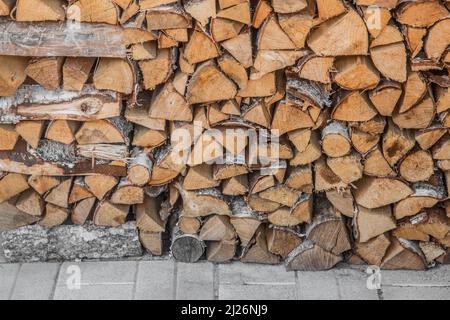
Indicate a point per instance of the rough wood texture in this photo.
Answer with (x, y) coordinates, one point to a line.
(303, 131)
(41, 39)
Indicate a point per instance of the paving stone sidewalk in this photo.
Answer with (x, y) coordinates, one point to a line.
(166, 279)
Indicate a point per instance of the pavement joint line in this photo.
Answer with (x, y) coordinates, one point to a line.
(106, 284)
(135, 279)
(175, 280)
(216, 281)
(338, 287)
(250, 283)
(297, 285)
(55, 284)
(418, 285)
(16, 276)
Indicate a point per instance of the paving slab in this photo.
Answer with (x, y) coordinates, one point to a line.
(439, 276)
(317, 285)
(336, 284)
(2, 254)
(239, 281)
(416, 293)
(97, 280)
(155, 280)
(8, 273)
(195, 281)
(352, 284)
(35, 281)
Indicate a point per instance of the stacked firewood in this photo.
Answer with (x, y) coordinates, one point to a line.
(303, 131)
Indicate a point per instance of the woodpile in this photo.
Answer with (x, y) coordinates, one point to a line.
(307, 132)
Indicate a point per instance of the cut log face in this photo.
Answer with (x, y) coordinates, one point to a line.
(110, 215)
(354, 107)
(147, 216)
(34, 10)
(82, 210)
(438, 39)
(54, 216)
(31, 203)
(9, 137)
(12, 74)
(417, 166)
(59, 196)
(208, 84)
(162, 64)
(340, 36)
(401, 256)
(101, 11)
(372, 223)
(108, 70)
(310, 257)
(200, 48)
(374, 193)
(356, 73)
(76, 72)
(11, 185)
(272, 37)
(46, 71)
(394, 67)
(373, 250)
(100, 185)
(13, 218)
(258, 252)
(282, 241)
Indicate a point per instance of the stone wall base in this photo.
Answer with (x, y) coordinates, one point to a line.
(71, 242)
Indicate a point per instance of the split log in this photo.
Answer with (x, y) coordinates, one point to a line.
(203, 203)
(327, 229)
(43, 184)
(127, 193)
(110, 69)
(11, 185)
(221, 251)
(403, 254)
(76, 72)
(258, 252)
(30, 131)
(375, 193)
(152, 242)
(162, 64)
(371, 223)
(33, 10)
(99, 186)
(147, 216)
(310, 257)
(31, 203)
(13, 218)
(54, 216)
(59, 195)
(282, 241)
(139, 168)
(217, 228)
(100, 11)
(82, 210)
(12, 73)
(373, 250)
(110, 215)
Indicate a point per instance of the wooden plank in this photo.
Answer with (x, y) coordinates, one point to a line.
(63, 39)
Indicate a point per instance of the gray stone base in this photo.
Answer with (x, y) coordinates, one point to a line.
(71, 242)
